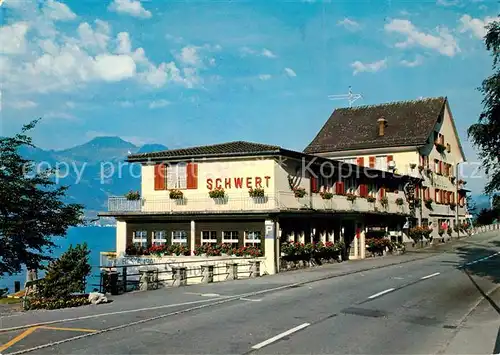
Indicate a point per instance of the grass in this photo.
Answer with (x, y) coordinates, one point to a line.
(9, 300)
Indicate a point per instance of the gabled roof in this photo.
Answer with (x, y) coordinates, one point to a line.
(409, 123)
(237, 148)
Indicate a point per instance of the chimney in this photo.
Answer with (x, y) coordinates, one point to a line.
(382, 123)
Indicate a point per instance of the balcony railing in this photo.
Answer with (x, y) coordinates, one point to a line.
(284, 200)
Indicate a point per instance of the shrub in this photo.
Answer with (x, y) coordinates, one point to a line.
(325, 195)
(176, 194)
(217, 193)
(133, 195)
(257, 192)
(351, 197)
(419, 232)
(67, 274)
(299, 192)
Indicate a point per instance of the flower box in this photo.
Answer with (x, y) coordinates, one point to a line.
(420, 168)
(399, 201)
(371, 199)
(453, 205)
(351, 197)
(257, 192)
(428, 203)
(413, 166)
(299, 192)
(326, 195)
(217, 193)
(133, 195)
(384, 201)
(175, 194)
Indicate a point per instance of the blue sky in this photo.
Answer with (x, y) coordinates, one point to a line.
(185, 73)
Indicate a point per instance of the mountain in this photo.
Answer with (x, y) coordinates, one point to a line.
(94, 170)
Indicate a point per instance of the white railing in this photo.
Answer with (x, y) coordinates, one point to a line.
(283, 200)
(487, 228)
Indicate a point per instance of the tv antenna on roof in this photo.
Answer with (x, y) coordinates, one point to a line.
(350, 97)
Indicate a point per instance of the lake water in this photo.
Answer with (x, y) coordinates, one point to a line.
(97, 238)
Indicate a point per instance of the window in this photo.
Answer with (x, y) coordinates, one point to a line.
(436, 166)
(208, 237)
(230, 237)
(140, 238)
(381, 162)
(350, 161)
(252, 238)
(179, 237)
(159, 238)
(177, 176)
(350, 185)
(372, 189)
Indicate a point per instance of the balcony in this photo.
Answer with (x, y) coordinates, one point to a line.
(440, 209)
(284, 200)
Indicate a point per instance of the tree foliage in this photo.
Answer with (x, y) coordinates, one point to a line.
(66, 274)
(485, 134)
(31, 208)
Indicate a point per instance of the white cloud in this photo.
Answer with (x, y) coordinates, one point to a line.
(58, 11)
(448, 2)
(349, 24)
(415, 63)
(443, 43)
(290, 72)
(360, 67)
(264, 77)
(124, 44)
(264, 52)
(95, 40)
(130, 7)
(189, 56)
(60, 115)
(475, 25)
(126, 104)
(158, 104)
(26, 104)
(13, 38)
(267, 53)
(114, 67)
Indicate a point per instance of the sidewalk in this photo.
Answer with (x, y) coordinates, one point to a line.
(480, 331)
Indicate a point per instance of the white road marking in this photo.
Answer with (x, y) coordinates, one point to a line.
(429, 276)
(279, 336)
(482, 259)
(381, 293)
(250, 299)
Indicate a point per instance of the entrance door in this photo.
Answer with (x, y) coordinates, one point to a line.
(349, 235)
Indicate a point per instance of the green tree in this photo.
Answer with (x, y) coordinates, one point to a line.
(66, 274)
(496, 203)
(485, 134)
(31, 208)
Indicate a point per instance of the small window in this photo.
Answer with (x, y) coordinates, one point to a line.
(208, 237)
(140, 238)
(231, 237)
(159, 238)
(179, 237)
(381, 162)
(177, 176)
(252, 238)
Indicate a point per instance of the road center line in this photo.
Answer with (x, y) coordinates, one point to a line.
(429, 276)
(279, 336)
(381, 293)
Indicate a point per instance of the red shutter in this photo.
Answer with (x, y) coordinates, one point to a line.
(441, 196)
(360, 161)
(440, 167)
(314, 184)
(365, 190)
(441, 139)
(339, 188)
(452, 197)
(160, 176)
(192, 175)
(428, 193)
(382, 192)
(436, 195)
(389, 158)
(417, 190)
(371, 162)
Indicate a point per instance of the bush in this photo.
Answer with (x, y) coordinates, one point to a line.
(54, 303)
(67, 274)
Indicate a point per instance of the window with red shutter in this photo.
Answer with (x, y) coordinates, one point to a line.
(160, 176)
(371, 162)
(192, 176)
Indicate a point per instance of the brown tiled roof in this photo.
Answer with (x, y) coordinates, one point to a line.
(408, 123)
(238, 148)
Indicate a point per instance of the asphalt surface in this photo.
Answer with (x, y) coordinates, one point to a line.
(441, 300)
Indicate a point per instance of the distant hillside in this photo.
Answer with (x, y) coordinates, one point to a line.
(96, 169)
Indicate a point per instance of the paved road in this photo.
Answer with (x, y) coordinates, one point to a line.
(421, 304)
